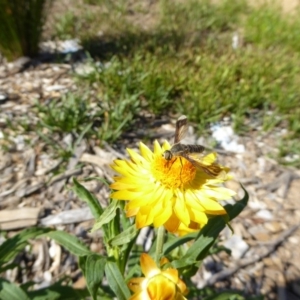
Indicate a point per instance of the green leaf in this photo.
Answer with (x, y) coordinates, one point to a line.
(82, 264)
(176, 242)
(134, 271)
(94, 267)
(82, 134)
(9, 291)
(226, 296)
(12, 246)
(89, 198)
(8, 267)
(70, 242)
(58, 292)
(108, 215)
(234, 210)
(125, 237)
(116, 281)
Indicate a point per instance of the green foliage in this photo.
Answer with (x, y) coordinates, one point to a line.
(11, 291)
(13, 246)
(270, 27)
(119, 242)
(94, 273)
(201, 84)
(71, 113)
(120, 246)
(116, 281)
(186, 64)
(197, 17)
(21, 27)
(65, 26)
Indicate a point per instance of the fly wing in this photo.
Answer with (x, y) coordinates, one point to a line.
(181, 129)
(213, 170)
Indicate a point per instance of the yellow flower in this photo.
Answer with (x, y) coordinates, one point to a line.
(173, 193)
(158, 284)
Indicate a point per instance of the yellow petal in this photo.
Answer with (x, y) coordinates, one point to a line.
(126, 195)
(161, 288)
(162, 217)
(172, 274)
(144, 217)
(148, 265)
(218, 192)
(166, 146)
(135, 284)
(157, 149)
(210, 204)
(210, 158)
(180, 209)
(136, 158)
(117, 185)
(146, 152)
(143, 295)
(131, 212)
(173, 223)
(198, 217)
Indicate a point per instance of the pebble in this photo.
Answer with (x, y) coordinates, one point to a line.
(274, 226)
(3, 97)
(237, 246)
(264, 214)
(260, 233)
(55, 87)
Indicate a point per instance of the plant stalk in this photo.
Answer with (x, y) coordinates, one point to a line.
(159, 244)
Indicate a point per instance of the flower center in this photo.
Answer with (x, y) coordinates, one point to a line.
(173, 173)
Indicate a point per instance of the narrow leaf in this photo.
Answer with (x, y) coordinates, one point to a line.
(234, 210)
(226, 296)
(108, 214)
(70, 242)
(176, 242)
(201, 245)
(125, 237)
(82, 264)
(58, 292)
(9, 291)
(8, 267)
(89, 198)
(12, 246)
(116, 281)
(94, 273)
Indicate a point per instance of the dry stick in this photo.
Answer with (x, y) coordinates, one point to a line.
(228, 272)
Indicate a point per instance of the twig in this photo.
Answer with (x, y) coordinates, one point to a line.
(248, 261)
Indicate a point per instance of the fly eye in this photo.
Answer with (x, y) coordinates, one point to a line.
(168, 155)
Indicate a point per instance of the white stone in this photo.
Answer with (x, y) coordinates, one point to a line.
(225, 136)
(264, 214)
(237, 246)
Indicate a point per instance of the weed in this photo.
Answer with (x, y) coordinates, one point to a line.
(185, 63)
(65, 26)
(70, 113)
(269, 27)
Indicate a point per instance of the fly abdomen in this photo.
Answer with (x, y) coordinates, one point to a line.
(195, 148)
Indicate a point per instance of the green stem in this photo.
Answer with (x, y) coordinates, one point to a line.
(159, 244)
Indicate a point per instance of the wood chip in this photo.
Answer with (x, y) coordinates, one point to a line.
(68, 217)
(19, 218)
